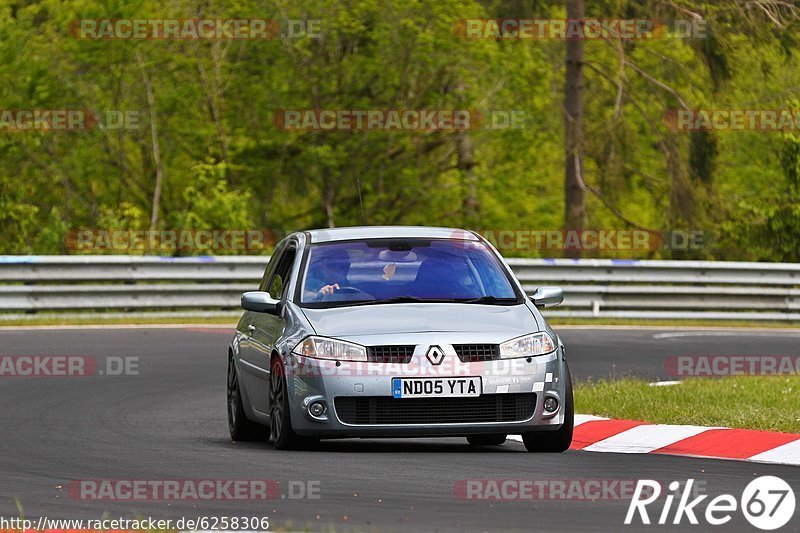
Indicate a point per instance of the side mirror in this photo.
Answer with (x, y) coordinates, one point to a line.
(260, 302)
(547, 296)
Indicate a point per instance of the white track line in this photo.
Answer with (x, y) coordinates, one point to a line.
(664, 383)
(582, 419)
(645, 438)
(745, 333)
(579, 419)
(675, 328)
(787, 454)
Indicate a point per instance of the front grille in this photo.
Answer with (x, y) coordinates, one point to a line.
(390, 354)
(474, 353)
(365, 410)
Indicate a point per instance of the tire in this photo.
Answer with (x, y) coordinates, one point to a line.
(555, 441)
(487, 440)
(239, 426)
(281, 433)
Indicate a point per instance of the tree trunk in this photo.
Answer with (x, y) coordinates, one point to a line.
(466, 163)
(215, 95)
(148, 86)
(328, 199)
(574, 188)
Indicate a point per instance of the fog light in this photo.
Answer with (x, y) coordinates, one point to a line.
(550, 405)
(316, 409)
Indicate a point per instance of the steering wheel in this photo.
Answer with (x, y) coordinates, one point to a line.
(346, 289)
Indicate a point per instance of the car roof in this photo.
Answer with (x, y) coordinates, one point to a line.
(388, 232)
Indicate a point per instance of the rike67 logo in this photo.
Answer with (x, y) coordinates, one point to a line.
(767, 502)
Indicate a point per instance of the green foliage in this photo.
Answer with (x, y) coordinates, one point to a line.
(769, 229)
(227, 166)
(50, 239)
(125, 216)
(752, 402)
(210, 204)
(18, 219)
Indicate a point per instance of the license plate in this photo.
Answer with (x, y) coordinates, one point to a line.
(435, 387)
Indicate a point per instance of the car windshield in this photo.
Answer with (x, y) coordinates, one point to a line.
(404, 270)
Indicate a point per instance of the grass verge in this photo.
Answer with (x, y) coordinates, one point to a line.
(751, 402)
(565, 321)
(94, 321)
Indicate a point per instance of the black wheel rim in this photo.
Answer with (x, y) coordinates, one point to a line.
(277, 395)
(233, 400)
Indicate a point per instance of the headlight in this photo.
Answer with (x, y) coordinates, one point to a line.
(322, 348)
(527, 346)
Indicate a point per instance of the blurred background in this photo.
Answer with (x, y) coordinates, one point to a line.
(198, 146)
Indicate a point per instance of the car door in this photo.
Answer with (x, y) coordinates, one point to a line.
(253, 372)
(265, 329)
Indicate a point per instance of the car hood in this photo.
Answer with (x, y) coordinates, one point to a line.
(387, 319)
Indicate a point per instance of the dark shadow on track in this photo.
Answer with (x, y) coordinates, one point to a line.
(428, 445)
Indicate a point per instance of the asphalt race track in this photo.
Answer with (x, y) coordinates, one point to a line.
(168, 423)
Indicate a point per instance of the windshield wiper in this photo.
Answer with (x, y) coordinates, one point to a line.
(487, 300)
(416, 300)
(394, 300)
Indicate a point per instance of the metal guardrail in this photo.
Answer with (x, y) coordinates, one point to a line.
(604, 288)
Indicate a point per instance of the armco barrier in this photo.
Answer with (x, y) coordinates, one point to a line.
(593, 287)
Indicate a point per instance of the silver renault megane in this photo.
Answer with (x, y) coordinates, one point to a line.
(396, 332)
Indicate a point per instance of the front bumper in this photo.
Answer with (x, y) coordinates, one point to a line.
(311, 380)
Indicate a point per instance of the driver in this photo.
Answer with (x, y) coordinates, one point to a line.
(327, 275)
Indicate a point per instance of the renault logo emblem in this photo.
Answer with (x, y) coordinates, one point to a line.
(435, 355)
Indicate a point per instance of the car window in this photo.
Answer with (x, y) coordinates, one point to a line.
(280, 278)
(273, 262)
(379, 269)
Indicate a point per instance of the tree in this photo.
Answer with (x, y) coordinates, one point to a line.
(574, 189)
